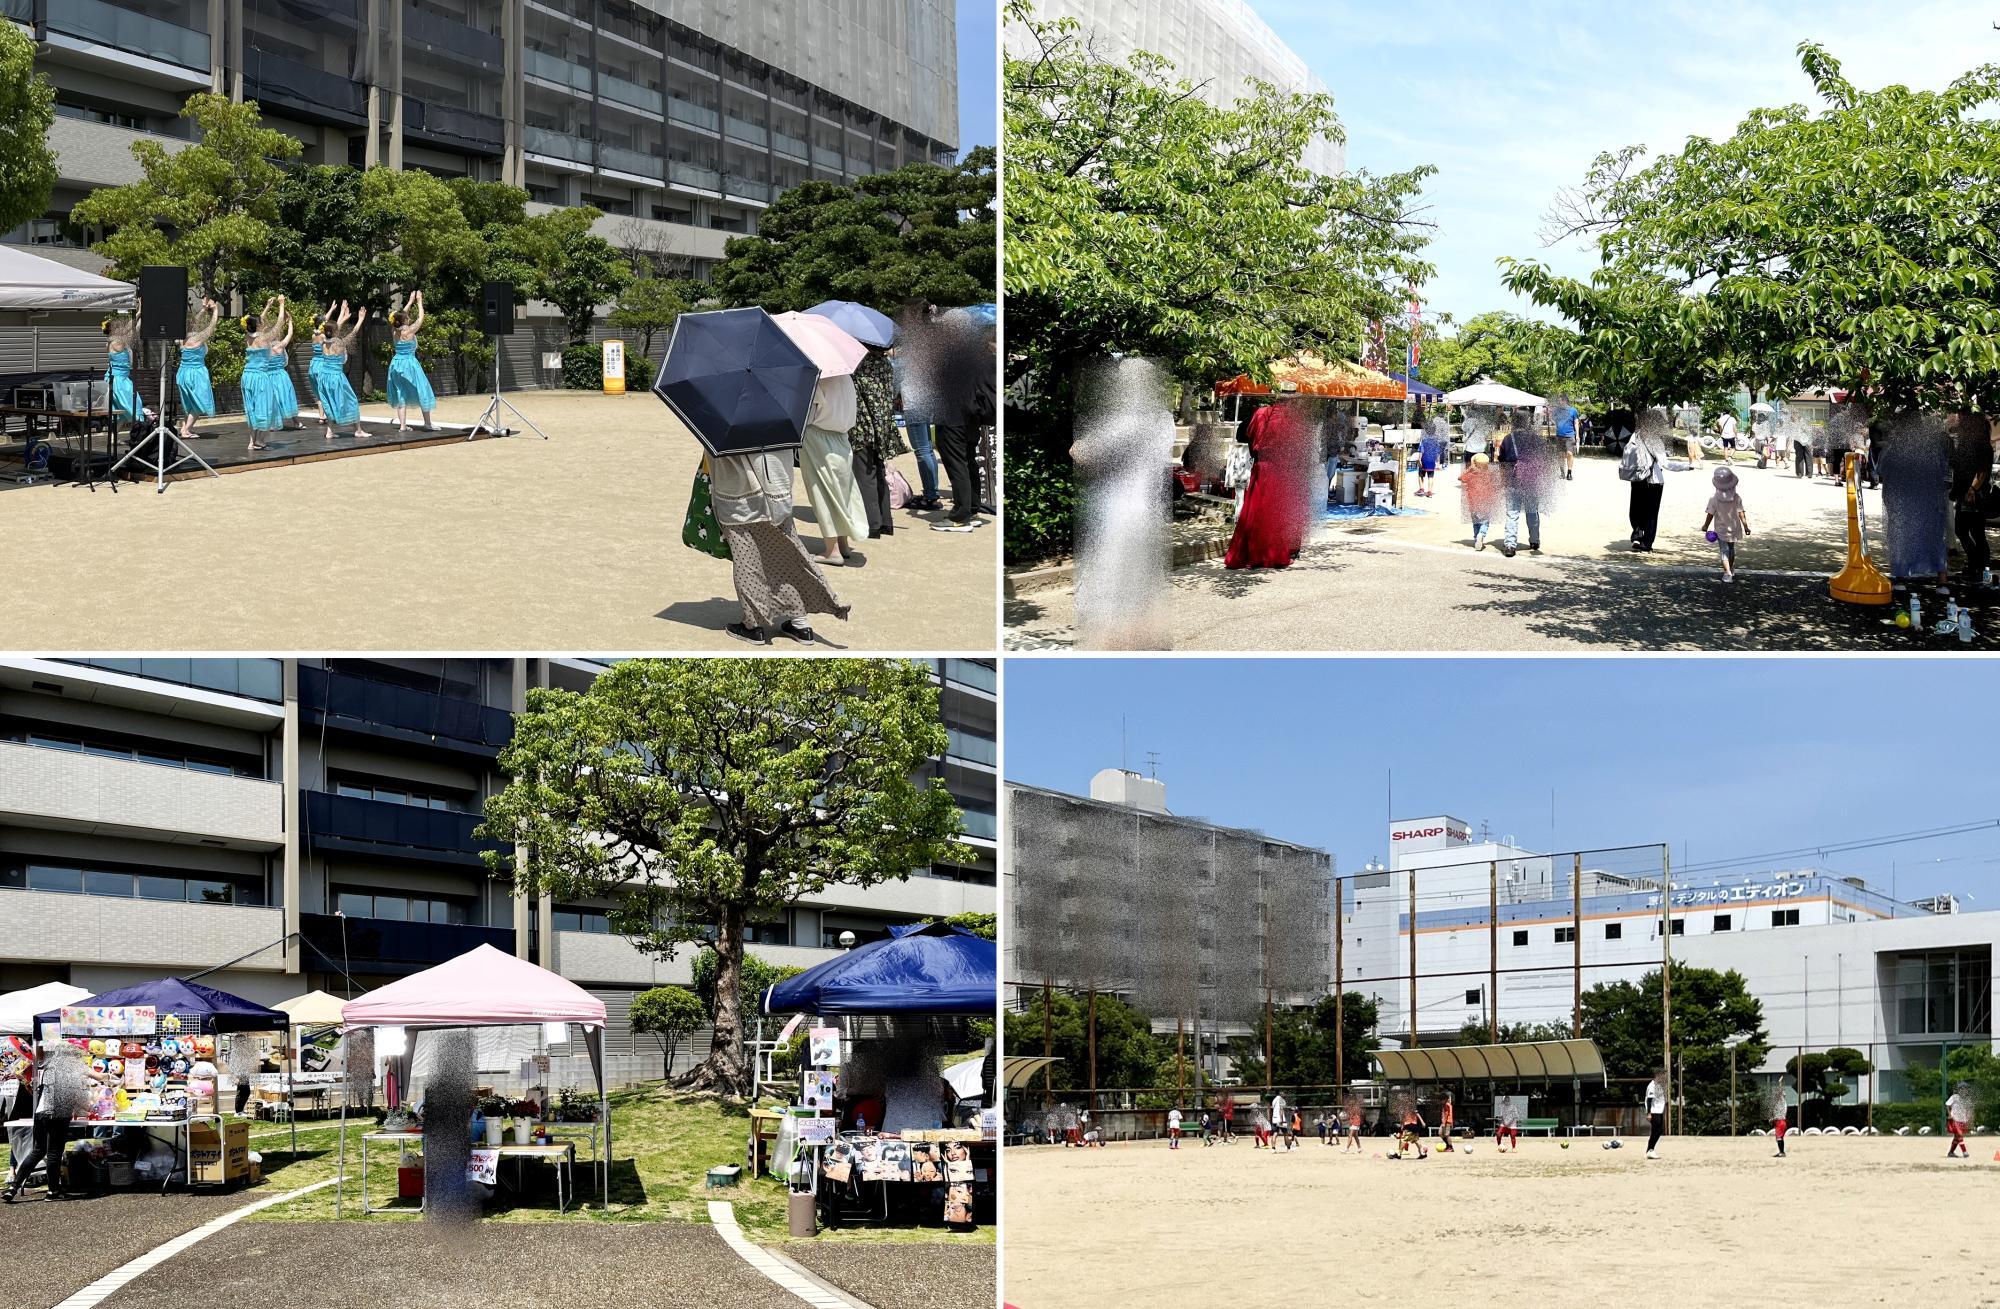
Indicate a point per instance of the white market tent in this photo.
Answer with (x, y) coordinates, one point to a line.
(1488, 392)
(18, 1008)
(28, 281)
(481, 988)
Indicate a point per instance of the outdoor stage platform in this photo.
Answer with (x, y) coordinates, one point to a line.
(224, 443)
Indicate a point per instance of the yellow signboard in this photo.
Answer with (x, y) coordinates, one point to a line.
(614, 368)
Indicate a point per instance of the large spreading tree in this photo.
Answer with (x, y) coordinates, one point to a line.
(27, 111)
(210, 207)
(1854, 245)
(1712, 1011)
(701, 795)
(1142, 218)
(924, 232)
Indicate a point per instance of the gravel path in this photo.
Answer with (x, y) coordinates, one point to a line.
(558, 1266)
(903, 1276)
(56, 1249)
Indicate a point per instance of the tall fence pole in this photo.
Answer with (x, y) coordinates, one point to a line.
(1048, 1043)
(1413, 958)
(1180, 1057)
(1493, 951)
(1667, 973)
(1576, 945)
(1093, 1047)
(1339, 989)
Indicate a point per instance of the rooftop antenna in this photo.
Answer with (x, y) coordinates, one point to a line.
(1153, 764)
(1121, 745)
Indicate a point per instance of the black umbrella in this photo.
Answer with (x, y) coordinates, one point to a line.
(737, 381)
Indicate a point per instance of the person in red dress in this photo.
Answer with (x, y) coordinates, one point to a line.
(1271, 528)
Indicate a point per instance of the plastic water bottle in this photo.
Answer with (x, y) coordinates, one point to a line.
(1965, 627)
(1950, 613)
(1986, 577)
(1916, 612)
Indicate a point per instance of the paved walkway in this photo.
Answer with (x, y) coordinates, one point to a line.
(55, 1249)
(513, 544)
(1413, 583)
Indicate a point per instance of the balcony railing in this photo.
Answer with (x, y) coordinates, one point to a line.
(482, 131)
(627, 92)
(977, 823)
(744, 188)
(557, 145)
(258, 679)
(791, 146)
(636, 162)
(974, 749)
(826, 158)
(387, 945)
(398, 711)
(694, 175)
(392, 831)
(447, 37)
(274, 77)
(686, 111)
(91, 792)
(742, 129)
(554, 68)
(135, 33)
(975, 675)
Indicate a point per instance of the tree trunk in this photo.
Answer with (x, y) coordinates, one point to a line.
(723, 1070)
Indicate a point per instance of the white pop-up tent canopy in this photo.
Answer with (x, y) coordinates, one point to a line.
(18, 1008)
(482, 988)
(28, 281)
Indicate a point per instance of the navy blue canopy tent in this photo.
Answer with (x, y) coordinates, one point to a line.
(215, 1011)
(1417, 390)
(932, 968)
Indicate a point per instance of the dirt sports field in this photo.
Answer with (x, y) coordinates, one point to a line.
(1713, 1222)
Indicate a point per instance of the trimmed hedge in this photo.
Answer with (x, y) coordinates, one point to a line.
(583, 368)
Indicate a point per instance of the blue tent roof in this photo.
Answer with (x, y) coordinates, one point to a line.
(218, 1011)
(1421, 389)
(929, 969)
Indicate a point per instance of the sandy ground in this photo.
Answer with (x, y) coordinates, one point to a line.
(1414, 583)
(1714, 1222)
(569, 544)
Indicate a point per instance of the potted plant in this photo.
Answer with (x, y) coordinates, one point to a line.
(525, 1113)
(494, 1109)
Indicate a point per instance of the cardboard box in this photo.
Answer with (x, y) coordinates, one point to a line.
(120, 1173)
(218, 1159)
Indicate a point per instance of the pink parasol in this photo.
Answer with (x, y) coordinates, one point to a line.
(835, 352)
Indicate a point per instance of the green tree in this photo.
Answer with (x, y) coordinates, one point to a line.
(432, 246)
(327, 242)
(702, 795)
(651, 304)
(27, 111)
(574, 268)
(986, 925)
(209, 207)
(923, 232)
(1853, 246)
(1824, 1075)
(1128, 1054)
(1141, 218)
(1302, 1044)
(1711, 1009)
(668, 1013)
(1478, 1032)
(754, 976)
(1974, 1065)
(1522, 352)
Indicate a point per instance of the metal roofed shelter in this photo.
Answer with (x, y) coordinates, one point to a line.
(1020, 1069)
(1522, 1061)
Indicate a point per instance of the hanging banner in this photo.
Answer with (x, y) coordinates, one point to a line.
(483, 1166)
(109, 1020)
(614, 368)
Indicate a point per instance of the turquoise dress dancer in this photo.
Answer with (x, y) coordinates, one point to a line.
(407, 383)
(281, 378)
(124, 393)
(262, 408)
(192, 381)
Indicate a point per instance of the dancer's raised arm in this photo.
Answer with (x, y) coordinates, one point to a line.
(284, 341)
(418, 321)
(205, 330)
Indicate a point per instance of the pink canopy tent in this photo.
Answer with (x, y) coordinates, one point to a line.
(482, 988)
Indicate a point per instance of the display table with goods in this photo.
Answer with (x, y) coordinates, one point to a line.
(483, 1166)
(149, 1083)
(879, 1131)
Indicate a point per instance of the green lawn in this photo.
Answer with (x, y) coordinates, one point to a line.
(664, 1146)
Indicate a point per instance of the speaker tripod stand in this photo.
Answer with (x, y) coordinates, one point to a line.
(489, 419)
(162, 441)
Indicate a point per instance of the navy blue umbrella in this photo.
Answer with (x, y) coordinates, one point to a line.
(737, 381)
(868, 326)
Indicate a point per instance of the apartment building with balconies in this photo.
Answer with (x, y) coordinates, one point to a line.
(301, 824)
(681, 121)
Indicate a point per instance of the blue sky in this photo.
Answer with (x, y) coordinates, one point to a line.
(1720, 757)
(1513, 100)
(978, 81)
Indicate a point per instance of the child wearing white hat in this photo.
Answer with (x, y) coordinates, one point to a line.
(1727, 521)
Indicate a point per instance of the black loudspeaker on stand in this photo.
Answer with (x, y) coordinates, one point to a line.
(496, 319)
(162, 317)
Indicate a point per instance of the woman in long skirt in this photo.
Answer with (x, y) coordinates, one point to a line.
(407, 384)
(191, 378)
(118, 351)
(827, 461)
(337, 400)
(777, 582)
(874, 438)
(317, 367)
(281, 373)
(1269, 528)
